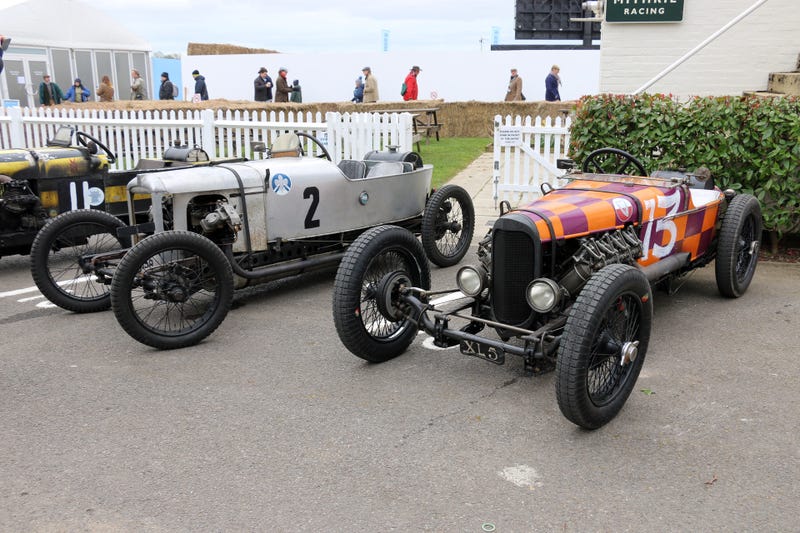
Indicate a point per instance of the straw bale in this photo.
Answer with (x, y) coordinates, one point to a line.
(458, 119)
(212, 49)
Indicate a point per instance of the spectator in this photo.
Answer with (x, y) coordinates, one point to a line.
(282, 87)
(166, 91)
(105, 91)
(297, 92)
(4, 42)
(370, 86)
(49, 92)
(200, 85)
(263, 86)
(77, 93)
(514, 93)
(411, 90)
(138, 91)
(551, 83)
(358, 92)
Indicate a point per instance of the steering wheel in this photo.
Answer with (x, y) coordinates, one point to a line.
(84, 138)
(612, 161)
(319, 144)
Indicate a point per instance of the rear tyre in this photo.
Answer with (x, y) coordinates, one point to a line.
(447, 225)
(365, 292)
(172, 290)
(56, 264)
(603, 346)
(737, 248)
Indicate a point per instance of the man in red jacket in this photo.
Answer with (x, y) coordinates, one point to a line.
(412, 89)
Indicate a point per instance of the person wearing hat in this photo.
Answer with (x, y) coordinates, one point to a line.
(263, 86)
(411, 88)
(166, 91)
(370, 86)
(514, 93)
(358, 92)
(200, 85)
(77, 93)
(49, 92)
(282, 87)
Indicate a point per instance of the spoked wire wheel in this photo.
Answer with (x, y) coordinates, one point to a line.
(60, 263)
(604, 345)
(447, 225)
(366, 294)
(172, 290)
(739, 240)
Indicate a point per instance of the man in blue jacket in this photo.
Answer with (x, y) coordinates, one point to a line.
(200, 85)
(551, 83)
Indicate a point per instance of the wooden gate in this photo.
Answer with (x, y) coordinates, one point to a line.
(525, 154)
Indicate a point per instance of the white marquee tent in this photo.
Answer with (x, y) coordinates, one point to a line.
(67, 39)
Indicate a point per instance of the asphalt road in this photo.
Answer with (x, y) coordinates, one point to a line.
(271, 425)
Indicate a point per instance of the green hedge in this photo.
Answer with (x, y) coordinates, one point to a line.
(750, 144)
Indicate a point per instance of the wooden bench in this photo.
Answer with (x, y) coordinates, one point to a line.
(425, 123)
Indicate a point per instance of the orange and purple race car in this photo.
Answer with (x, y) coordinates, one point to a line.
(565, 282)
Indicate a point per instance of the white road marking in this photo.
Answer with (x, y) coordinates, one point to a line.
(521, 476)
(18, 292)
(428, 343)
(46, 304)
(23, 300)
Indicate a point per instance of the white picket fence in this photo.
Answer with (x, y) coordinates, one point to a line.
(525, 154)
(134, 135)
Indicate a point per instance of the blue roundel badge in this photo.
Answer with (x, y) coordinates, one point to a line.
(281, 184)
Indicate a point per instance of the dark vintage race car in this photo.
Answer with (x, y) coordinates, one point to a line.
(38, 184)
(565, 282)
(231, 224)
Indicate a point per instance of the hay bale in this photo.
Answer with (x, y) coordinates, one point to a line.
(211, 49)
(458, 119)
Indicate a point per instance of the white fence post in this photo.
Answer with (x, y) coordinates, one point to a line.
(208, 141)
(16, 127)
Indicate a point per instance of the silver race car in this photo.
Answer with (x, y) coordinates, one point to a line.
(230, 224)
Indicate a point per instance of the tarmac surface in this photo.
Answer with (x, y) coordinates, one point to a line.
(272, 425)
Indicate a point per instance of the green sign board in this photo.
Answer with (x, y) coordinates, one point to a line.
(644, 10)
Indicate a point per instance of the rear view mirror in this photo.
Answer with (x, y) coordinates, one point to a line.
(565, 164)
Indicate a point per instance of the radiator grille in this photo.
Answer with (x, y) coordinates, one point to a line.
(513, 265)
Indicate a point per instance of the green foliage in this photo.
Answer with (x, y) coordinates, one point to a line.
(451, 155)
(750, 144)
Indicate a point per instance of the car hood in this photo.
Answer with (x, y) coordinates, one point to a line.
(588, 206)
(226, 176)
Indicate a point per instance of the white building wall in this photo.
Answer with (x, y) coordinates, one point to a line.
(452, 76)
(768, 40)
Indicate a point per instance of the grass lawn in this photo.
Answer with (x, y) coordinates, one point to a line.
(451, 155)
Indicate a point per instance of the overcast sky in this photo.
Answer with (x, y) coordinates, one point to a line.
(322, 26)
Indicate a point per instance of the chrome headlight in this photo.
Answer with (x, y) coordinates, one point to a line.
(543, 295)
(471, 280)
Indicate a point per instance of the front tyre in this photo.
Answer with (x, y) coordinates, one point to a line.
(172, 290)
(365, 292)
(447, 225)
(603, 346)
(59, 259)
(737, 250)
